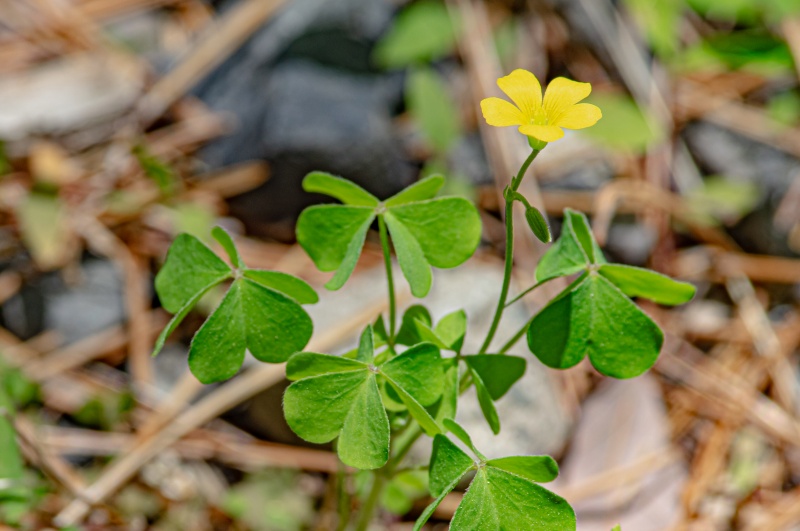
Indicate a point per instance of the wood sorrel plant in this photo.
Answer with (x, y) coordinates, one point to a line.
(404, 379)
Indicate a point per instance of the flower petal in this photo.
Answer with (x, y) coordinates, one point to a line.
(561, 94)
(524, 89)
(579, 116)
(500, 113)
(546, 133)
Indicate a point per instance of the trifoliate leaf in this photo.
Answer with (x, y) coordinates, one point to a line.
(538, 224)
(442, 232)
(345, 191)
(497, 499)
(592, 316)
(498, 372)
(502, 494)
(251, 316)
(190, 268)
(638, 282)
(419, 191)
(448, 404)
(335, 396)
(333, 236)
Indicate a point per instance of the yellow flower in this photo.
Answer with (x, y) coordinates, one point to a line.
(541, 119)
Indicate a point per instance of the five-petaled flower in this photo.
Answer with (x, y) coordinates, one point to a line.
(541, 119)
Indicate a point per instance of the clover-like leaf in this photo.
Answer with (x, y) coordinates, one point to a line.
(409, 333)
(592, 316)
(336, 396)
(574, 251)
(503, 494)
(451, 329)
(638, 282)
(255, 314)
(441, 232)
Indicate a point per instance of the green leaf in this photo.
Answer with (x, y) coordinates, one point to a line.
(448, 404)
(320, 408)
(308, 364)
(420, 33)
(566, 256)
(594, 317)
(486, 403)
(417, 378)
(456, 429)
(538, 468)
(617, 528)
(409, 332)
(410, 256)
(420, 191)
(498, 372)
(190, 268)
(178, 318)
(448, 229)
(366, 346)
(401, 491)
(452, 328)
(497, 499)
(364, 440)
(581, 231)
(538, 224)
(638, 282)
(432, 107)
(270, 325)
(345, 191)
(333, 236)
(418, 370)
(225, 240)
(448, 464)
(285, 283)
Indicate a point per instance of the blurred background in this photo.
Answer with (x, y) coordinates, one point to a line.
(125, 122)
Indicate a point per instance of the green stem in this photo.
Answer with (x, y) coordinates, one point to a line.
(368, 509)
(387, 259)
(509, 259)
(343, 502)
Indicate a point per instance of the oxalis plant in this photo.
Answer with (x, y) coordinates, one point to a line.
(404, 379)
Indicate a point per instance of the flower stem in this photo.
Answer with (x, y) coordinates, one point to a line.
(387, 259)
(509, 260)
